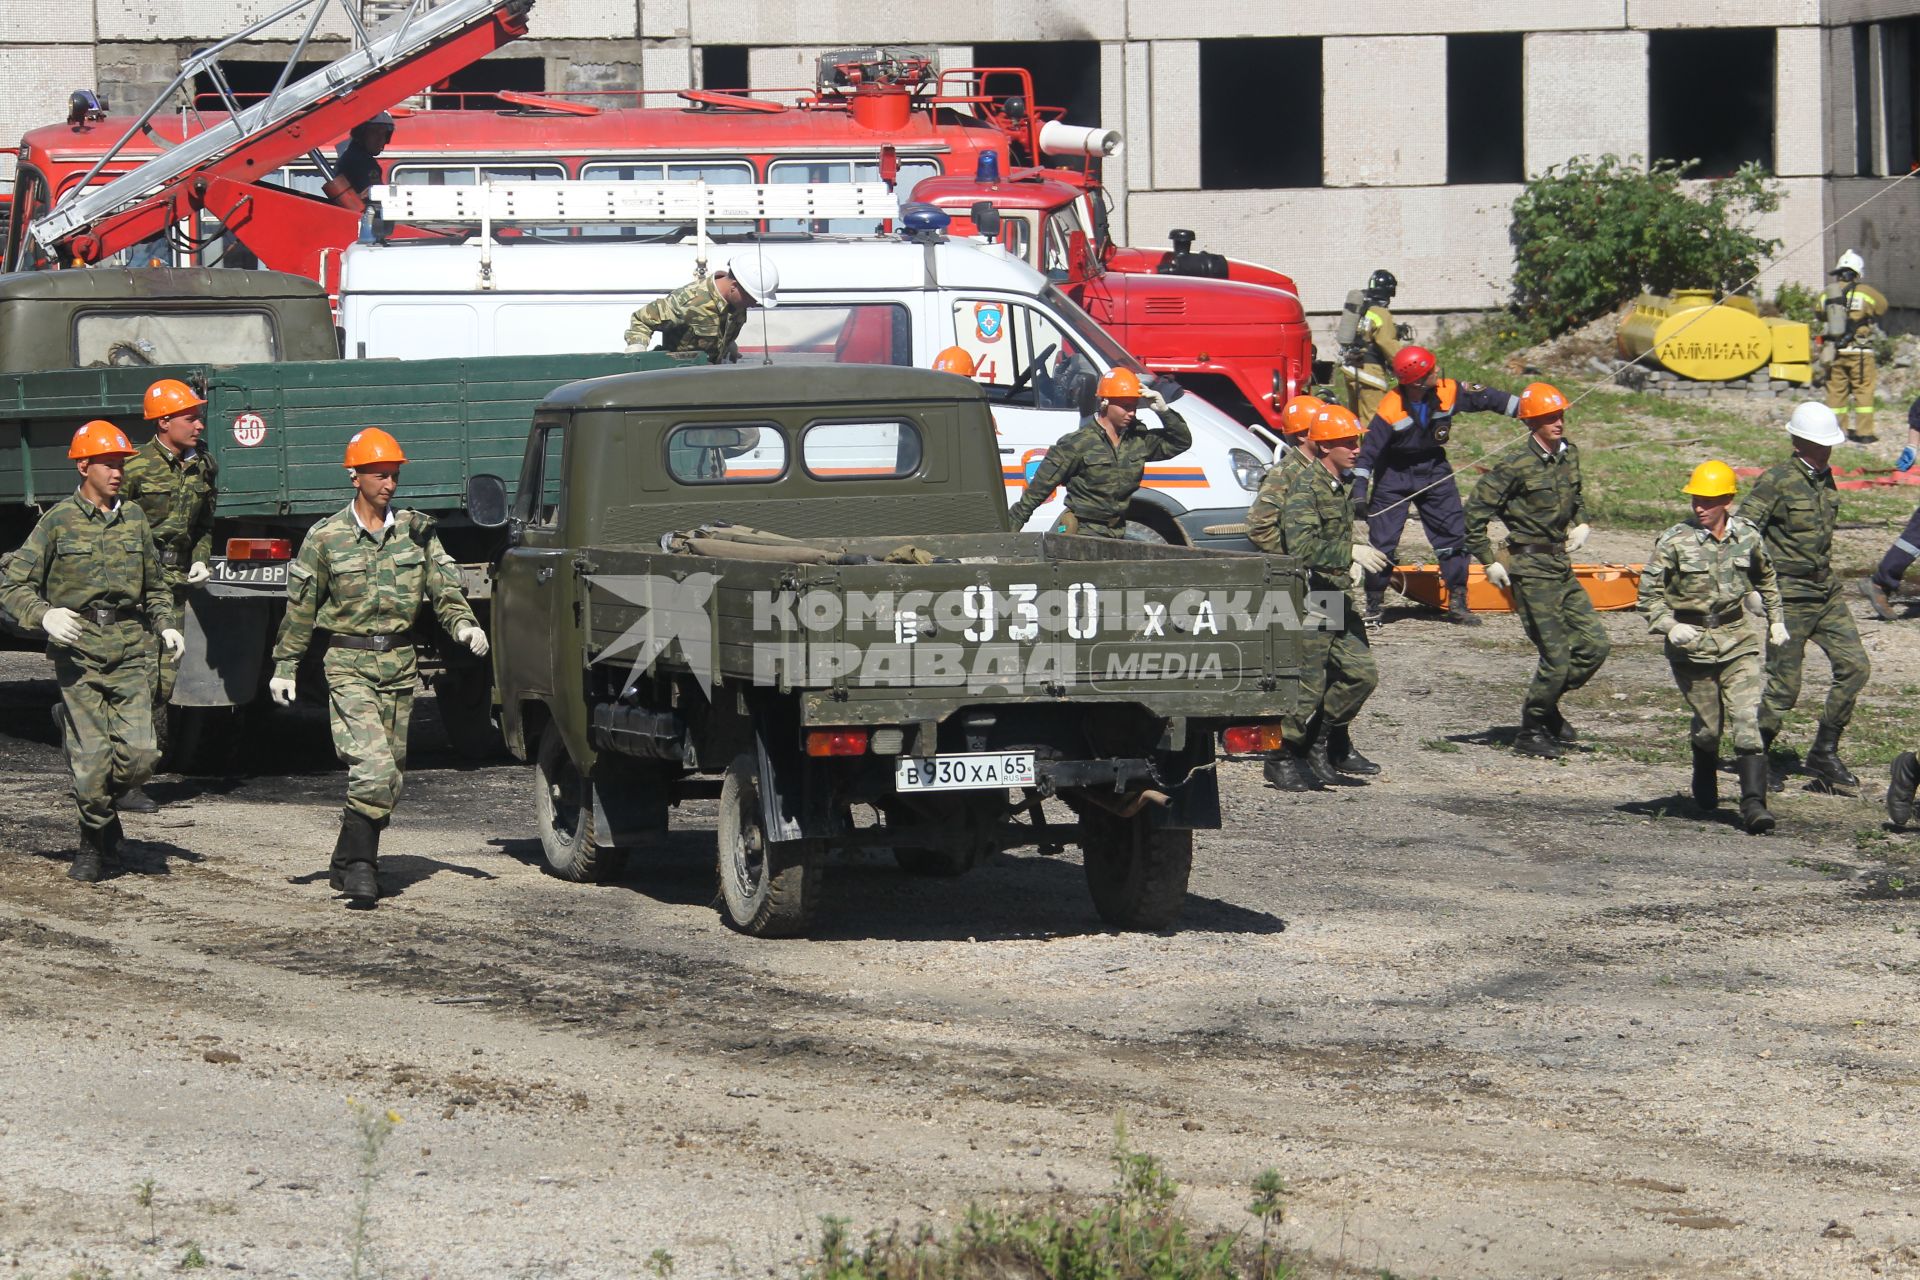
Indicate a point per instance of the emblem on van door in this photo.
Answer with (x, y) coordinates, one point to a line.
(249, 429)
(989, 319)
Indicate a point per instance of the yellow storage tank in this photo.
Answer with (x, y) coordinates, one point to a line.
(1696, 337)
(1792, 342)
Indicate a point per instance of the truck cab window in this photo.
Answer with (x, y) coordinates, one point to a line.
(726, 453)
(860, 450)
(537, 503)
(126, 339)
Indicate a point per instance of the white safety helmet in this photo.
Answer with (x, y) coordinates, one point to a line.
(758, 276)
(1850, 261)
(1815, 422)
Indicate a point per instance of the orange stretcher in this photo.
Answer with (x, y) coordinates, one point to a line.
(1610, 586)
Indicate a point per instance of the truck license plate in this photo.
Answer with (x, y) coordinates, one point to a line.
(255, 574)
(978, 770)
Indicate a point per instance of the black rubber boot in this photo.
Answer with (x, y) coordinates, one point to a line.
(137, 801)
(1289, 772)
(89, 862)
(1563, 733)
(1752, 768)
(1534, 740)
(1321, 762)
(355, 856)
(1706, 779)
(1823, 759)
(1458, 613)
(1371, 615)
(1904, 779)
(1776, 772)
(1340, 751)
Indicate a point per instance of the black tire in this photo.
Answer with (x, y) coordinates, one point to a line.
(465, 698)
(1136, 872)
(201, 742)
(766, 891)
(563, 807)
(1140, 531)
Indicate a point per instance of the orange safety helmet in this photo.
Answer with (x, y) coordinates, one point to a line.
(954, 360)
(99, 439)
(1333, 422)
(170, 396)
(1119, 383)
(1410, 364)
(371, 446)
(1298, 414)
(1541, 399)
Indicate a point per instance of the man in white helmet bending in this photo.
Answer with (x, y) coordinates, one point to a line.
(708, 314)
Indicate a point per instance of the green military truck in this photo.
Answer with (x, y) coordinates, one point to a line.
(281, 403)
(866, 632)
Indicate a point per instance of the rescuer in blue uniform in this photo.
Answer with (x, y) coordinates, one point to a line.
(1403, 462)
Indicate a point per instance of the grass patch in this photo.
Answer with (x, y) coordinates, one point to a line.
(1137, 1231)
(1442, 745)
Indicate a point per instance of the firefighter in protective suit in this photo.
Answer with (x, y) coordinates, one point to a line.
(1369, 338)
(1404, 460)
(1852, 369)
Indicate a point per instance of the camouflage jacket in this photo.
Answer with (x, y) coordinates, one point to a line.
(178, 496)
(1101, 478)
(1263, 516)
(1859, 328)
(1691, 573)
(351, 582)
(1316, 526)
(693, 317)
(81, 557)
(1796, 511)
(1537, 496)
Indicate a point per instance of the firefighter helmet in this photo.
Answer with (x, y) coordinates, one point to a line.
(1541, 399)
(1119, 383)
(168, 397)
(1333, 422)
(99, 439)
(1383, 283)
(1410, 364)
(954, 360)
(371, 446)
(1297, 417)
(1850, 261)
(1712, 480)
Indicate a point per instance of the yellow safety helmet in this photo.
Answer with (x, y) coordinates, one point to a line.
(1712, 479)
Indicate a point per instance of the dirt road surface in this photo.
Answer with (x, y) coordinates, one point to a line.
(1488, 1017)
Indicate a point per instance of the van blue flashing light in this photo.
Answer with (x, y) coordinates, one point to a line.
(987, 168)
(924, 217)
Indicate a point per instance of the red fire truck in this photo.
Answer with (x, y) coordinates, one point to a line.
(968, 137)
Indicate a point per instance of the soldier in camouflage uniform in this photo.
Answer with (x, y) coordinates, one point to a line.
(1852, 368)
(1337, 670)
(361, 576)
(1692, 591)
(1795, 506)
(1104, 461)
(88, 574)
(1536, 493)
(708, 314)
(175, 482)
(1263, 514)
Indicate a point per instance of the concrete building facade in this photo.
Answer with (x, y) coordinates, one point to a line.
(1326, 137)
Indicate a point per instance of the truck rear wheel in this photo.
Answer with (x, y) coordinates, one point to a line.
(563, 806)
(1137, 872)
(768, 891)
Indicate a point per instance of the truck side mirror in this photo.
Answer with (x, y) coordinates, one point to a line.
(487, 501)
(986, 219)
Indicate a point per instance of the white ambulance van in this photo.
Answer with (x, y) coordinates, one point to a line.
(896, 300)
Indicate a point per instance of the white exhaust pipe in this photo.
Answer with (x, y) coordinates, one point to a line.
(1057, 139)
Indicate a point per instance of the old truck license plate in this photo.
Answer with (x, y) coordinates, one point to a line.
(261, 573)
(965, 772)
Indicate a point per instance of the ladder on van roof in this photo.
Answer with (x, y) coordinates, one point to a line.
(428, 41)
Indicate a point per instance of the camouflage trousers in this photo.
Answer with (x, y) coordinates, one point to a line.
(1828, 624)
(369, 701)
(1559, 618)
(106, 716)
(1724, 697)
(1337, 673)
(166, 671)
(1850, 380)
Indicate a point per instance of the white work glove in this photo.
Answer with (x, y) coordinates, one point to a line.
(198, 573)
(475, 639)
(1577, 537)
(63, 625)
(176, 644)
(1355, 574)
(1153, 400)
(1754, 604)
(1373, 561)
(1777, 634)
(1497, 574)
(1683, 634)
(281, 690)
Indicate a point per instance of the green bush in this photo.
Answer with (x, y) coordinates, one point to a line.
(1590, 234)
(1803, 303)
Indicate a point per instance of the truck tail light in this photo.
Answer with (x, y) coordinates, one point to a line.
(836, 742)
(259, 549)
(1252, 739)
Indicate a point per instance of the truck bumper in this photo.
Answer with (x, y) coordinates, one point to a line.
(1194, 524)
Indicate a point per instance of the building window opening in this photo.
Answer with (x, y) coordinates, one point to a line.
(471, 88)
(250, 82)
(1066, 73)
(1244, 142)
(1900, 93)
(1486, 140)
(1710, 97)
(723, 66)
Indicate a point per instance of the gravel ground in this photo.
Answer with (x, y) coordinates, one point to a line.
(1488, 1017)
